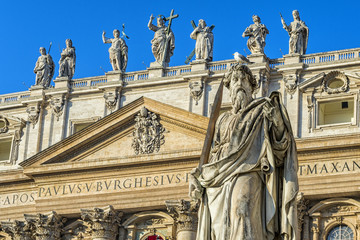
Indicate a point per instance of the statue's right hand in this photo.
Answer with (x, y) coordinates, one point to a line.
(103, 33)
(195, 189)
(151, 17)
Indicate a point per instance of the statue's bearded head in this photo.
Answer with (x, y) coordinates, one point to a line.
(241, 84)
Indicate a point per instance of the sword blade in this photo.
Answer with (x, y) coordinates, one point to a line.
(215, 112)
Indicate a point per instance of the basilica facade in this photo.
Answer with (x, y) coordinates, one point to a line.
(109, 157)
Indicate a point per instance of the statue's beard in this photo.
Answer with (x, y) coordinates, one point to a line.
(239, 99)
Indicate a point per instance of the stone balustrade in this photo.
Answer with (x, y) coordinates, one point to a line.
(332, 56)
(213, 67)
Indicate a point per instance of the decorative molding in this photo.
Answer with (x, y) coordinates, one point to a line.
(103, 222)
(184, 214)
(46, 226)
(110, 100)
(291, 83)
(57, 106)
(33, 114)
(335, 75)
(302, 206)
(196, 89)
(18, 230)
(5, 124)
(148, 134)
(310, 106)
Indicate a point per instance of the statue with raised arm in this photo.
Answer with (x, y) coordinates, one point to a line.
(163, 43)
(257, 33)
(204, 41)
(44, 69)
(298, 32)
(67, 60)
(118, 51)
(248, 184)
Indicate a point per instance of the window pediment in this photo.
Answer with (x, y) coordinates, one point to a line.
(335, 82)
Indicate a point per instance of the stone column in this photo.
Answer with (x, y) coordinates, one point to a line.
(302, 206)
(46, 226)
(305, 233)
(17, 230)
(104, 222)
(315, 229)
(185, 216)
(291, 72)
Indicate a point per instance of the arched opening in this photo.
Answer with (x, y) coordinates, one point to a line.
(341, 232)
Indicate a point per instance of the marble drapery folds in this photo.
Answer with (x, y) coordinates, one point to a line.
(250, 183)
(204, 41)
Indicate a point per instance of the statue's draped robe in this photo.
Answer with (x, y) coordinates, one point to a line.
(67, 62)
(119, 52)
(44, 70)
(159, 44)
(299, 34)
(250, 181)
(204, 43)
(257, 34)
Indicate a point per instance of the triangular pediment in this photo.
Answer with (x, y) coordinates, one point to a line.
(317, 81)
(110, 141)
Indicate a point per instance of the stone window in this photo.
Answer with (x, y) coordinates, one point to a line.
(10, 138)
(336, 111)
(342, 232)
(77, 125)
(5, 149)
(80, 126)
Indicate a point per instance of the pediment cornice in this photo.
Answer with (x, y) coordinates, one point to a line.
(109, 129)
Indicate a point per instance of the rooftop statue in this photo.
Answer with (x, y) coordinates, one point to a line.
(118, 51)
(257, 33)
(163, 43)
(44, 68)
(204, 41)
(249, 184)
(67, 60)
(298, 32)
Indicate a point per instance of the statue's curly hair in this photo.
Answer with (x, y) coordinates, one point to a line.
(245, 70)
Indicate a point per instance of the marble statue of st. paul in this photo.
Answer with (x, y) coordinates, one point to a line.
(249, 185)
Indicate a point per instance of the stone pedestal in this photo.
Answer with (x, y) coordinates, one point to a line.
(292, 58)
(185, 215)
(156, 70)
(198, 65)
(36, 91)
(257, 58)
(62, 82)
(114, 76)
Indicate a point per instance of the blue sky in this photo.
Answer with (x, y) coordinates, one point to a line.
(28, 25)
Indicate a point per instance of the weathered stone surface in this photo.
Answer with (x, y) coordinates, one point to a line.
(118, 51)
(257, 34)
(67, 61)
(299, 34)
(204, 41)
(44, 69)
(230, 184)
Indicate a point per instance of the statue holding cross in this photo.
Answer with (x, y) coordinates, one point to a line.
(204, 40)
(163, 43)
